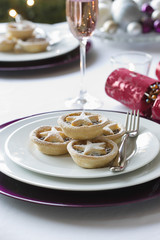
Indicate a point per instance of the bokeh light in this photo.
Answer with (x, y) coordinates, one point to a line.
(12, 13)
(30, 2)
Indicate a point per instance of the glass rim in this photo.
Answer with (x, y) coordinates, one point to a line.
(148, 58)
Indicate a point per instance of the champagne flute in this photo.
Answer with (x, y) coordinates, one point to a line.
(82, 17)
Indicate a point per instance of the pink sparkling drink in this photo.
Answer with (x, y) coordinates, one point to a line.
(82, 17)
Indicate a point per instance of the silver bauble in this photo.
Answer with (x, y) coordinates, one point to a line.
(155, 15)
(110, 27)
(134, 28)
(124, 12)
(155, 4)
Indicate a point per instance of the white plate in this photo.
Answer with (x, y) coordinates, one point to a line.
(142, 175)
(20, 150)
(121, 36)
(63, 39)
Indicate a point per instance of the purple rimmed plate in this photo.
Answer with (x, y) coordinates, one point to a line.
(28, 192)
(63, 49)
(70, 57)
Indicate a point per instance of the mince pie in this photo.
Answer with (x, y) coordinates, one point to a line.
(95, 153)
(82, 125)
(33, 45)
(113, 131)
(6, 44)
(23, 29)
(50, 140)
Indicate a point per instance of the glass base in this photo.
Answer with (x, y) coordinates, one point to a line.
(87, 102)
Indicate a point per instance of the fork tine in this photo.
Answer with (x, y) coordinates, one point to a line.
(134, 119)
(131, 118)
(127, 118)
(137, 127)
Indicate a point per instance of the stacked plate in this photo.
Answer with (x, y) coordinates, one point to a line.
(30, 175)
(124, 37)
(63, 49)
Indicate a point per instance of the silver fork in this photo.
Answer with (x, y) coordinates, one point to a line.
(132, 128)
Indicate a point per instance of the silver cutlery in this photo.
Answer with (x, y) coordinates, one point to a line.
(132, 129)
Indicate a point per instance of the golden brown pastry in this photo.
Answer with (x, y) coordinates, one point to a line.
(82, 125)
(21, 30)
(113, 131)
(95, 153)
(6, 44)
(34, 45)
(50, 140)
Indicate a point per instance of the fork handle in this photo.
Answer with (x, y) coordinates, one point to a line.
(122, 151)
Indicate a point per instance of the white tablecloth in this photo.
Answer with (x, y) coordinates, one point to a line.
(44, 91)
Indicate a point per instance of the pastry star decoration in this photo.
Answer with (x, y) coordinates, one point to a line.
(108, 129)
(82, 119)
(92, 148)
(52, 135)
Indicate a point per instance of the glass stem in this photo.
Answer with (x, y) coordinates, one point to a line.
(83, 44)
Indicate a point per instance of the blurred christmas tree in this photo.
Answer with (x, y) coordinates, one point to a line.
(43, 11)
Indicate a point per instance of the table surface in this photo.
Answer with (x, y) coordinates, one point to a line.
(27, 93)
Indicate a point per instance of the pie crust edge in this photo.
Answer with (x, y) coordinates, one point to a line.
(88, 161)
(82, 132)
(45, 147)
